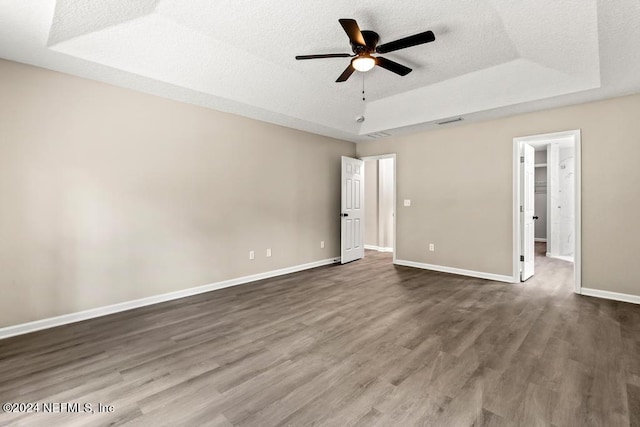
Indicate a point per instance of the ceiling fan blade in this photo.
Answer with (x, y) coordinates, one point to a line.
(346, 74)
(392, 66)
(405, 42)
(324, 55)
(350, 27)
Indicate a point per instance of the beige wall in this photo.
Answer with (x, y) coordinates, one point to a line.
(385, 203)
(371, 202)
(459, 180)
(109, 195)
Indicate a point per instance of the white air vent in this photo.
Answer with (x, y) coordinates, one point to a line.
(378, 135)
(444, 122)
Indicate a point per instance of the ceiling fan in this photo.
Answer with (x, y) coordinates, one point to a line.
(365, 43)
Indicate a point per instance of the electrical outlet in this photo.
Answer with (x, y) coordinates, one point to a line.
(407, 202)
(252, 255)
(322, 244)
(432, 247)
(268, 252)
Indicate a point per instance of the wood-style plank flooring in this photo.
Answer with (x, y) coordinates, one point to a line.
(364, 344)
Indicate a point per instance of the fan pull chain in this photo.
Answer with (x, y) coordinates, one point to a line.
(363, 97)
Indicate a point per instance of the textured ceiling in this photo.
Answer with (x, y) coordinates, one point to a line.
(491, 57)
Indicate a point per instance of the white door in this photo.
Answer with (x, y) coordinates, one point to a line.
(352, 214)
(527, 212)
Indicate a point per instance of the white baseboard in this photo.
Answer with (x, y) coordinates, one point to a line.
(560, 257)
(460, 271)
(378, 248)
(37, 325)
(540, 239)
(634, 299)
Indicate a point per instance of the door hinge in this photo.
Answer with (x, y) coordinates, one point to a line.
(521, 208)
(522, 258)
(522, 159)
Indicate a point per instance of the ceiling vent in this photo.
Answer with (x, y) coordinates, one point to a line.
(378, 135)
(446, 122)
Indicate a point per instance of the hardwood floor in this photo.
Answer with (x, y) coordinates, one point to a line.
(365, 344)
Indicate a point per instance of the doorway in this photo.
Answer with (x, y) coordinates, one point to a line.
(380, 203)
(546, 208)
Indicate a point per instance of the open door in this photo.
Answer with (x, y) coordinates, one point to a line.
(527, 212)
(352, 214)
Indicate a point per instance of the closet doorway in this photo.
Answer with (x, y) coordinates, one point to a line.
(554, 198)
(556, 212)
(380, 203)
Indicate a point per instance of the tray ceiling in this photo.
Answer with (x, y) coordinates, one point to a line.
(491, 57)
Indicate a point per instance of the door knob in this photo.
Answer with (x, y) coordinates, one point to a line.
(344, 214)
(535, 217)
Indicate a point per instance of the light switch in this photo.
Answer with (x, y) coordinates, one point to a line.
(407, 202)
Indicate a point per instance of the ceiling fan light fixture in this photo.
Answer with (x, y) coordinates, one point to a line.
(363, 63)
(364, 43)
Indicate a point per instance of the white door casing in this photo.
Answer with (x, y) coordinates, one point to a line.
(527, 203)
(352, 213)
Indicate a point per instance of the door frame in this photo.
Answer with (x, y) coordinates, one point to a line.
(577, 140)
(395, 194)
